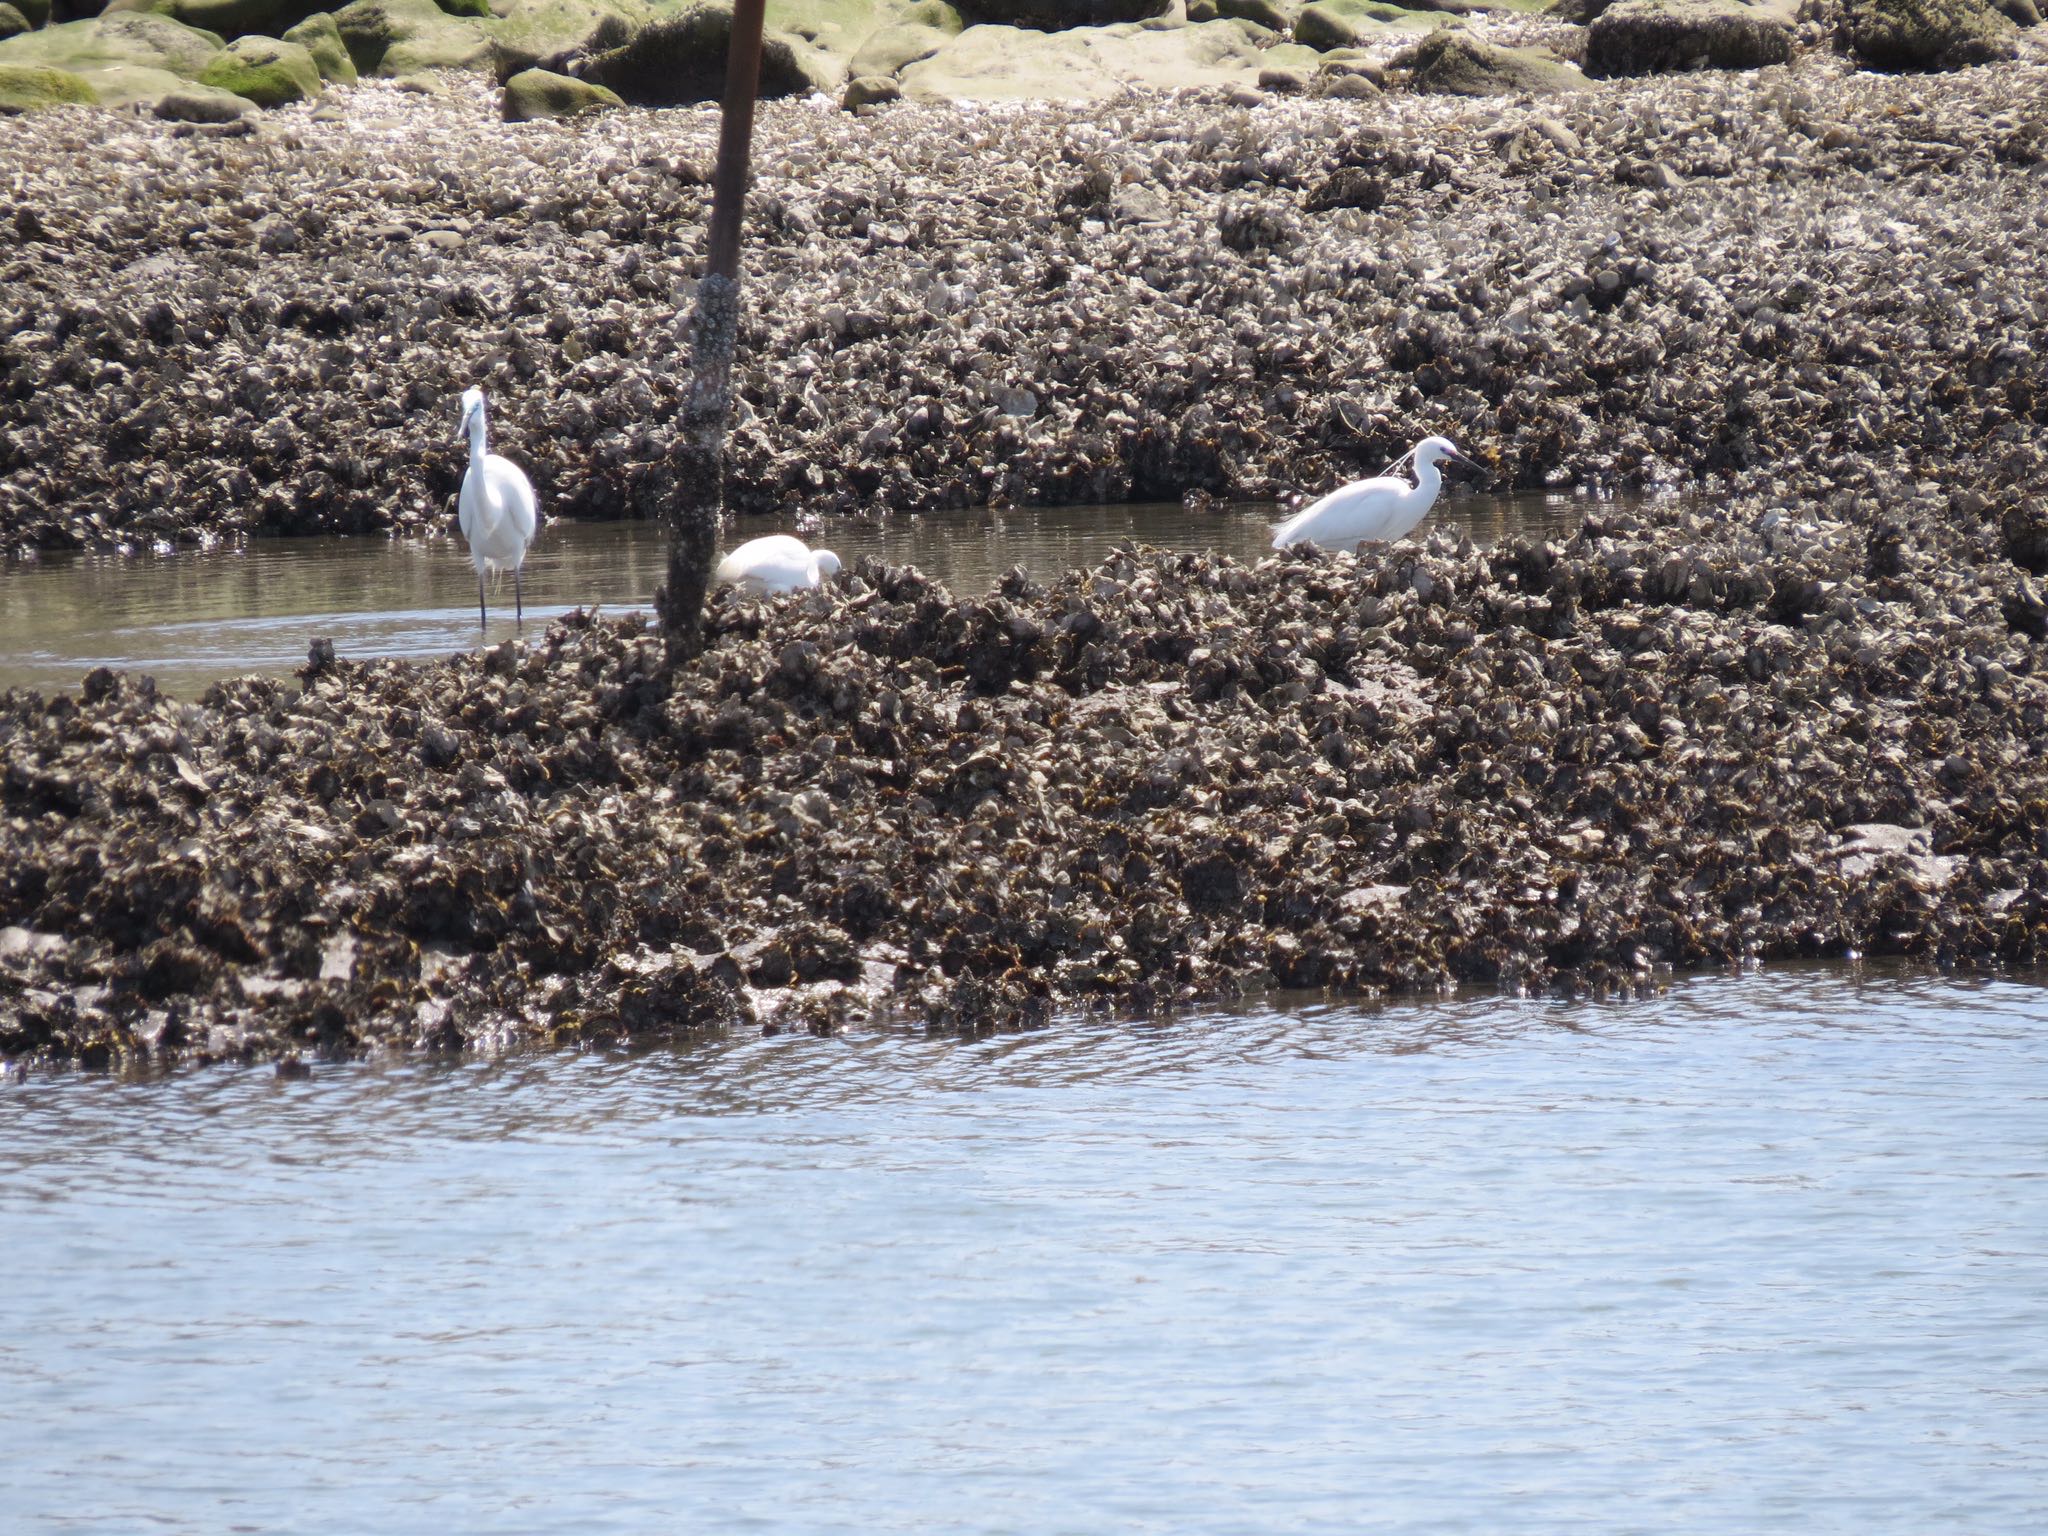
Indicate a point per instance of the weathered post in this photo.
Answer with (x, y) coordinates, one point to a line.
(697, 479)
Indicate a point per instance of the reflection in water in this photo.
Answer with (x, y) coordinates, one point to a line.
(1764, 1254)
(191, 617)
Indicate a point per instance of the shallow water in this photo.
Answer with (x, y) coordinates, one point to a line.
(191, 617)
(1767, 1254)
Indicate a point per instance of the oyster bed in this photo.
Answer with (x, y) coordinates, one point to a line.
(265, 326)
(1686, 736)
(1800, 714)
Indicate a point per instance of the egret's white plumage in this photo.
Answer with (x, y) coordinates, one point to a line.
(1383, 508)
(777, 563)
(497, 510)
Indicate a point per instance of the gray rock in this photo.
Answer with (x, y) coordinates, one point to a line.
(869, 91)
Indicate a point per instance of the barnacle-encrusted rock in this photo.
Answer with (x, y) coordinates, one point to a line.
(535, 94)
(1643, 37)
(1926, 34)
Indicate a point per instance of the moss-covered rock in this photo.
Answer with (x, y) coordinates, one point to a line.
(680, 59)
(1926, 34)
(265, 70)
(321, 38)
(1448, 63)
(889, 49)
(230, 18)
(35, 12)
(32, 87)
(404, 37)
(1331, 24)
(202, 104)
(104, 42)
(1653, 37)
(1280, 15)
(547, 34)
(12, 22)
(535, 95)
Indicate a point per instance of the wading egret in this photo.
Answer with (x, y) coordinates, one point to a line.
(497, 510)
(777, 563)
(1385, 508)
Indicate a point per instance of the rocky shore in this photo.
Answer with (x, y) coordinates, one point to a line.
(1797, 712)
(263, 326)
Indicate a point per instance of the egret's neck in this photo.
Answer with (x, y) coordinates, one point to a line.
(476, 435)
(1427, 479)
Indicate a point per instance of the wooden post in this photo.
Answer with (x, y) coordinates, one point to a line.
(696, 483)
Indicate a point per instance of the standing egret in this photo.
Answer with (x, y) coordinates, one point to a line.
(777, 563)
(497, 510)
(1384, 508)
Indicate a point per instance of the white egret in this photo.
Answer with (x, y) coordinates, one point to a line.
(1383, 508)
(777, 563)
(497, 510)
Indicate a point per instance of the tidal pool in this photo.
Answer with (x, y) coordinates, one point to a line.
(191, 617)
(1769, 1253)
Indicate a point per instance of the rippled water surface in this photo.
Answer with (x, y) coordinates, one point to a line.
(1769, 1254)
(190, 617)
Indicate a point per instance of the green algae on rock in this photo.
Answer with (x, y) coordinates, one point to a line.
(321, 38)
(535, 95)
(33, 87)
(265, 70)
(12, 22)
(1449, 63)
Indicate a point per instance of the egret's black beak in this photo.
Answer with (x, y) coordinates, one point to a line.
(1471, 464)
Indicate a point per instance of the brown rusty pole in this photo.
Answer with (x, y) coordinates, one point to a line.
(698, 485)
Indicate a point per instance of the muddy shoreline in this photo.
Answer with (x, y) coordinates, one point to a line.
(1801, 715)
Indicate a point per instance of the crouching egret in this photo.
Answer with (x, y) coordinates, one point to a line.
(1384, 508)
(777, 563)
(497, 510)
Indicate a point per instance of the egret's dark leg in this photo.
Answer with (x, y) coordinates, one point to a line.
(483, 617)
(518, 599)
